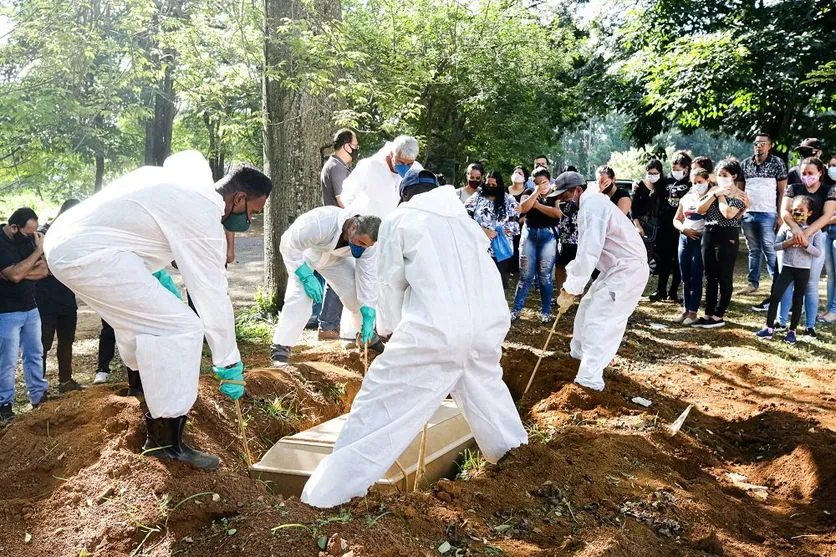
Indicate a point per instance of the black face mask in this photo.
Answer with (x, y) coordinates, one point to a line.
(491, 190)
(355, 154)
(21, 238)
(568, 207)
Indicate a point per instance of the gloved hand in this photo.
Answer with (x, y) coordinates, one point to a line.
(168, 283)
(369, 315)
(309, 282)
(565, 301)
(232, 380)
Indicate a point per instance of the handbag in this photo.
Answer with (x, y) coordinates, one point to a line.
(501, 246)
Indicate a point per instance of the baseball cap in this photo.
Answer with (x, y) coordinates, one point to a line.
(811, 143)
(568, 180)
(414, 177)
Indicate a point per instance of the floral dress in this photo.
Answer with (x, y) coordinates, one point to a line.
(484, 212)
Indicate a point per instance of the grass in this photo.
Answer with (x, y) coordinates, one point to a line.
(252, 326)
(472, 462)
(285, 407)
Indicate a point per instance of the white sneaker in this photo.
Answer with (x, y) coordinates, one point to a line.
(101, 377)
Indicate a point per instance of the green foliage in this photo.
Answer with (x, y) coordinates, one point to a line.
(252, 326)
(472, 462)
(46, 210)
(734, 67)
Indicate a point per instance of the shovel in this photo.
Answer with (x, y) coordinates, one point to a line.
(543, 352)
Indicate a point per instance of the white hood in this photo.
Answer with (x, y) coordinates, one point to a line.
(441, 201)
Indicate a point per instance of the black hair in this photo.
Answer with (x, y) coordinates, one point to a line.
(815, 161)
(703, 162)
(702, 173)
(570, 168)
(654, 164)
(730, 165)
(681, 159)
(604, 169)
(68, 204)
(540, 171)
(412, 191)
(476, 166)
(499, 202)
(367, 224)
(342, 137)
(245, 178)
(543, 157)
(808, 201)
(21, 216)
(525, 172)
(764, 134)
(442, 179)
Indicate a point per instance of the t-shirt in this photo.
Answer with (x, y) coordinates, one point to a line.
(714, 218)
(15, 296)
(331, 178)
(693, 220)
(762, 183)
(537, 219)
(822, 195)
(463, 195)
(52, 296)
(618, 195)
(672, 193)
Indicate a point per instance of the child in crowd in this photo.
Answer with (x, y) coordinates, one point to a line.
(798, 258)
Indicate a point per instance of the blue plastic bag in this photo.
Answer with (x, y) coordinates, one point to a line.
(501, 245)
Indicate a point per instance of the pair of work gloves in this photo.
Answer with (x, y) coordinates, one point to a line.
(313, 288)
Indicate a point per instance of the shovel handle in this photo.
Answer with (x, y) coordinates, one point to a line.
(543, 352)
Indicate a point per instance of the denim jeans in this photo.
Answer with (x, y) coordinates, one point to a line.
(759, 230)
(537, 255)
(811, 296)
(332, 310)
(830, 262)
(690, 265)
(21, 330)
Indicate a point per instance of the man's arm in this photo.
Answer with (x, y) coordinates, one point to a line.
(391, 274)
(230, 246)
(19, 271)
(780, 188)
(38, 272)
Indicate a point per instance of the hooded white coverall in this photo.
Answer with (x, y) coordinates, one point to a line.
(106, 250)
(370, 189)
(312, 239)
(440, 296)
(607, 241)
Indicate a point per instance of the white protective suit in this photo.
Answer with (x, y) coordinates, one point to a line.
(312, 239)
(105, 250)
(370, 189)
(441, 297)
(607, 241)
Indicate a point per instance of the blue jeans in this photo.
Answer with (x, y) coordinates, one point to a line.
(759, 230)
(690, 266)
(332, 310)
(811, 296)
(537, 254)
(830, 262)
(21, 330)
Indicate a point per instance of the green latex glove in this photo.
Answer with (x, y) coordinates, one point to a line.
(309, 282)
(168, 282)
(369, 315)
(234, 373)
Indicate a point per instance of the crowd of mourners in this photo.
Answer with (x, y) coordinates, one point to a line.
(690, 220)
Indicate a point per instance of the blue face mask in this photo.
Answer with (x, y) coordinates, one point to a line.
(402, 169)
(356, 250)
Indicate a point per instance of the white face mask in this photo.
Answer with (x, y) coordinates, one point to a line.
(652, 178)
(724, 182)
(678, 174)
(518, 178)
(701, 188)
(831, 171)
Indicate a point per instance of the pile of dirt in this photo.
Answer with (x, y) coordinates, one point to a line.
(601, 475)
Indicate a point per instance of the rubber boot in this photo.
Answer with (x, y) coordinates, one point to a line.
(134, 384)
(165, 440)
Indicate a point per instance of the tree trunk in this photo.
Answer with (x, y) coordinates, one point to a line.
(296, 125)
(100, 165)
(159, 128)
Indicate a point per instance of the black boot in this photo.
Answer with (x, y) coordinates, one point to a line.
(165, 439)
(6, 412)
(134, 384)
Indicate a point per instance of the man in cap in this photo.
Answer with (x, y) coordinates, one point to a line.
(608, 242)
(810, 147)
(441, 299)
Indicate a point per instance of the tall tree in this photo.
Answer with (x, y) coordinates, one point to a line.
(297, 117)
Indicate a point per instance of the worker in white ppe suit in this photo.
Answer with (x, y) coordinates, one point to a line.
(372, 189)
(105, 250)
(440, 296)
(607, 241)
(339, 245)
